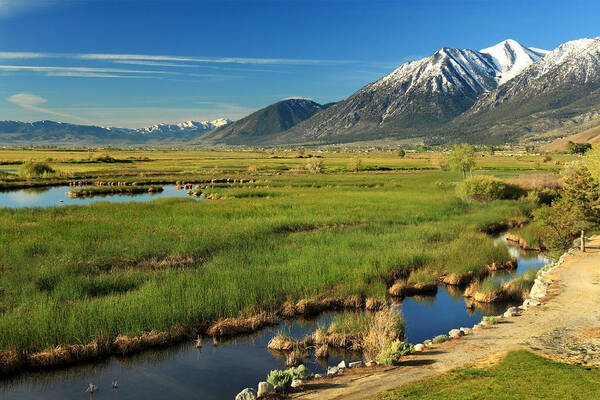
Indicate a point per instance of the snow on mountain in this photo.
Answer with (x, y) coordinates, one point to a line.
(185, 127)
(572, 65)
(511, 58)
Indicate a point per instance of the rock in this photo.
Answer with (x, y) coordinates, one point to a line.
(370, 364)
(466, 331)
(512, 312)
(332, 371)
(296, 383)
(318, 376)
(532, 303)
(342, 365)
(355, 364)
(279, 389)
(419, 347)
(265, 388)
(246, 394)
(455, 333)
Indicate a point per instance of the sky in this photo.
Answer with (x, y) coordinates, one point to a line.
(135, 63)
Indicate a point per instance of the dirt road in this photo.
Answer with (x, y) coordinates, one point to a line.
(565, 327)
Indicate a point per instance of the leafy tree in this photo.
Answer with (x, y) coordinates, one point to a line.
(355, 164)
(530, 148)
(577, 210)
(401, 153)
(462, 158)
(314, 165)
(578, 148)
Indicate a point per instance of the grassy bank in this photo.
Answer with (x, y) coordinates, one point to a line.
(520, 375)
(78, 274)
(105, 190)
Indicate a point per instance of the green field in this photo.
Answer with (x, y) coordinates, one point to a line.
(521, 375)
(77, 274)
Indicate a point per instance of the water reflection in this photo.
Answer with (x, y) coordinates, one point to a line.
(57, 196)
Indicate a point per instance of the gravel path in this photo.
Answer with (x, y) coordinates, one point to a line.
(566, 327)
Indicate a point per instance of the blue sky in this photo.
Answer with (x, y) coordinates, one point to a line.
(133, 63)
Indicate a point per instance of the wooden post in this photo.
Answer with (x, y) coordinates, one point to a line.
(582, 242)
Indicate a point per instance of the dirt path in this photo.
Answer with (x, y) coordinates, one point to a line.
(565, 327)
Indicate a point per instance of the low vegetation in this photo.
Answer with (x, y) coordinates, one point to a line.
(488, 188)
(36, 169)
(537, 378)
(105, 190)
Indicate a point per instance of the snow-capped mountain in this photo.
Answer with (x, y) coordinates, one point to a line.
(420, 94)
(511, 58)
(185, 127)
(559, 90)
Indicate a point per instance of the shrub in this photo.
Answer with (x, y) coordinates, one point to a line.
(33, 169)
(284, 378)
(487, 188)
(314, 165)
(401, 153)
(390, 353)
(440, 339)
(490, 320)
(279, 378)
(543, 196)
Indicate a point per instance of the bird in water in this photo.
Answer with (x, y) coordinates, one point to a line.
(91, 389)
(115, 384)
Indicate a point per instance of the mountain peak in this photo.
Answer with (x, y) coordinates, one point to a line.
(511, 58)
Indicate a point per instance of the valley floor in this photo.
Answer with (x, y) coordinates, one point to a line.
(565, 328)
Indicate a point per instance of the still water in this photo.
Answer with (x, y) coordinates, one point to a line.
(51, 196)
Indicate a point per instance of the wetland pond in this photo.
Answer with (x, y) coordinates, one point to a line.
(221, 370)
(51, 196)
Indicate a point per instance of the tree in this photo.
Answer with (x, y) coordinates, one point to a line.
(578, 148)
(401, 153)
(574, 213)
(314, 165)
(462, 158)
(355, 164)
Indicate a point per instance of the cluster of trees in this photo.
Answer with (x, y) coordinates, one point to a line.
(567, 214)
(578, 148)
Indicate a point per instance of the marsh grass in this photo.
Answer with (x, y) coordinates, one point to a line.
(105, 190)
(72, 274)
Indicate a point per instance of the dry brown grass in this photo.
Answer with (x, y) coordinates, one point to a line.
(401, 288)
(238, 326)
(322, 351)
(282, 343)
(294, 358)
(537, 181)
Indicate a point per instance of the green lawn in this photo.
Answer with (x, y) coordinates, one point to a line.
(521, 375)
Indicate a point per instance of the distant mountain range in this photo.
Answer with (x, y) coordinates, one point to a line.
(504, 93)
(58, 133)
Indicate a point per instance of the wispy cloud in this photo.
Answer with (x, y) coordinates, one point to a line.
(32, 102)
(11, 7)
(78, 69)
(94, 75)
(220, 60)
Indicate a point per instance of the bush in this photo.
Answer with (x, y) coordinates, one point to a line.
(279, 378)
(543, 196)
(487, 188)
(440, 339)
(314, 165)
(284, 378)
(390, 353)
(33, 169)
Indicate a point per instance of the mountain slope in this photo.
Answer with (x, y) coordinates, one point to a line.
(270, 120)
(418, 96)
(561, 89)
